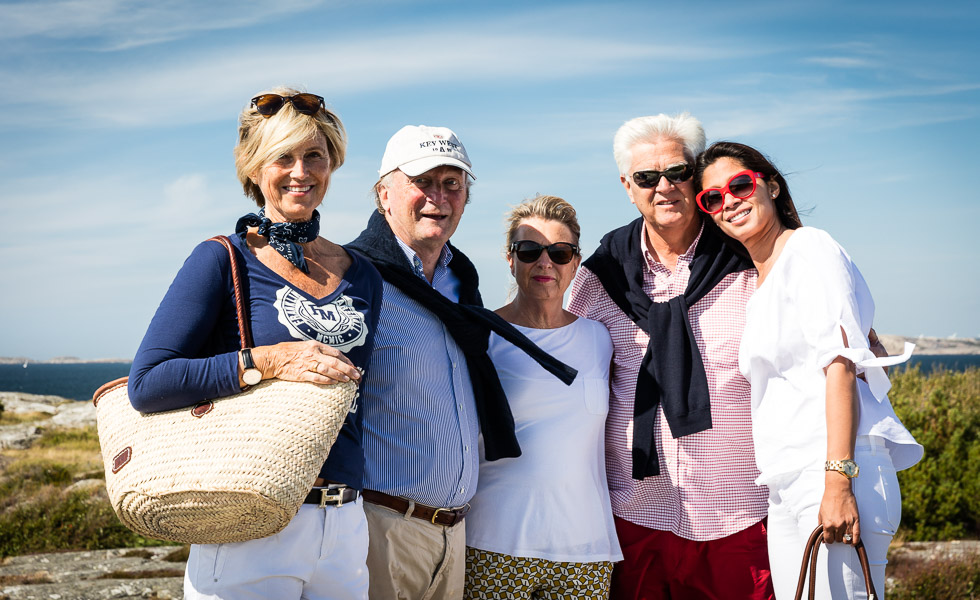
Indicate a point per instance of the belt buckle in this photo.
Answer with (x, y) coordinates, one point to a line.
(333, 493)
(436, 514)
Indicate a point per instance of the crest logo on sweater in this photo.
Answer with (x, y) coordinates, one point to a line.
(337, 324)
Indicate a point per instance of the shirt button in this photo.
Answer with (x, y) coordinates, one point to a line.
(466, 448)
(461, 490)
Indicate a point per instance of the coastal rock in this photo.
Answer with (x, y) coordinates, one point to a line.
(16, 402)
(18, 436)
(88, 484)
(930, 551)
(74, 414)
(118, 574)
(63, 413)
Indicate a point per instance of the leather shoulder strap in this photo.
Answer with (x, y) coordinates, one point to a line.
(244, 329)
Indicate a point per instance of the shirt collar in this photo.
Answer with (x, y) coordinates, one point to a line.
(413, 258)
(687, 257)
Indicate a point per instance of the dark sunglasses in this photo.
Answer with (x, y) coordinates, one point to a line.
(269, 104)
(741, 186)
(560, 253)
(675, 174)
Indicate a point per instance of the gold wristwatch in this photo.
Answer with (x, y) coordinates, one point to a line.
(847, 467)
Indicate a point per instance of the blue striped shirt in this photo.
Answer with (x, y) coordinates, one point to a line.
(420, 421)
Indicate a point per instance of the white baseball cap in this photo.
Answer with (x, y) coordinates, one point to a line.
(416, 149)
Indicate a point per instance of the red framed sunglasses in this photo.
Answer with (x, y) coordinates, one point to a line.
(741, 185)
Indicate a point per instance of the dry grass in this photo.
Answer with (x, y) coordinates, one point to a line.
(150, 574)
(12, 418)
(26, 579)
(76, 449)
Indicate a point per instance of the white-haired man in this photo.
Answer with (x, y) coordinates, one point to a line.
(680, 460)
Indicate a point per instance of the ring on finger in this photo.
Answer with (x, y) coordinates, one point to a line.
(848, 537)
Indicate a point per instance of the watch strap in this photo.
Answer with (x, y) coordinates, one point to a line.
(247, 361)
(846, 467)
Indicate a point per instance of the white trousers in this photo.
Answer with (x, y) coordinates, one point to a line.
(320, 555)
(793, 510)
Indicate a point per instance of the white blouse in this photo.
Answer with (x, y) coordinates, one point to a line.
(792, 332)
(552, 502)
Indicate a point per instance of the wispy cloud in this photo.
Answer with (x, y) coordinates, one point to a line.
(841, 62)
(141, 95)
(113, 25)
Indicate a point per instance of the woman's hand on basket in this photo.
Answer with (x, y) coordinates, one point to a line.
(838, 511)
(304, 361)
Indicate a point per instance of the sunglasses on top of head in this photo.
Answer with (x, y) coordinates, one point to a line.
(676, 174)
(269, 104)
(741, 185)
(560, 253)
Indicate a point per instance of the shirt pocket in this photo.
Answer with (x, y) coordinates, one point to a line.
(596, 395)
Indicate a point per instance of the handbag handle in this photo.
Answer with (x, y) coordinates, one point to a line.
(244, 329)
(810, 556)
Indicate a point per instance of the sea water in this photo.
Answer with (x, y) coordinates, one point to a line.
(78, 381)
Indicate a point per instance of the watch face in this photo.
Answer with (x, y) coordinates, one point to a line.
(252, 376)
(850, 468)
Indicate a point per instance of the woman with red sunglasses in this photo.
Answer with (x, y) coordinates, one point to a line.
(312, 310)
(827, 441)
(541, 525)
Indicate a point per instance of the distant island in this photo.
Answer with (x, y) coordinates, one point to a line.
(931, 345)
(59, 360)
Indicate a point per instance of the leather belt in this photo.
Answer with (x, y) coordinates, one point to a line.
(432, 514)
(332, 495)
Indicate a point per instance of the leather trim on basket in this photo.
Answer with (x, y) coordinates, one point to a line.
(122, 459)
(105, 388)
(202, 408)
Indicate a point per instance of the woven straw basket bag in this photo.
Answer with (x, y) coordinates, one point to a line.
(228, 470)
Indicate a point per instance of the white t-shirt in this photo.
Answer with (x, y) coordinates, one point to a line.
(552, 502)
(792, 331)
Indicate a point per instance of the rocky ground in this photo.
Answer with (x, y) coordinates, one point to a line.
(95, 575)
(58, 411)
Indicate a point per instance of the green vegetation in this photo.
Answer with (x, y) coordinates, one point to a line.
(941, 494)
(41, 512)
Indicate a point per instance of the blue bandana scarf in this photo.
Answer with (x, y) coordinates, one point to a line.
(284, 237)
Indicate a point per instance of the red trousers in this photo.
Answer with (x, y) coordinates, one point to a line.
(660, 565)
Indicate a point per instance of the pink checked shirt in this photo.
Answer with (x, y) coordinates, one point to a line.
(706, 488)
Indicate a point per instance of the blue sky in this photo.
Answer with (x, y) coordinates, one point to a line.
(117, 121)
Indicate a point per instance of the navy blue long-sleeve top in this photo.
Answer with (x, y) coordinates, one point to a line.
(190, 350)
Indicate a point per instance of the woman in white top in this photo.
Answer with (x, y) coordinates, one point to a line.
(540, 525)
(826, 438)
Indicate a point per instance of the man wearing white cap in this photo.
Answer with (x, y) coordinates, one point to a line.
(432, 389)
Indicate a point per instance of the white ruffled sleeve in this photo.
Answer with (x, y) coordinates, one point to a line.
(833, 296)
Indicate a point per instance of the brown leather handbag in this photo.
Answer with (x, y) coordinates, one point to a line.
(810, 557)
